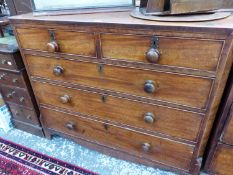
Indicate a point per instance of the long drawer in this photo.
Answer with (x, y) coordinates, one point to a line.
(176, 123)
(80, 43)
(228, 130)
(157, 149)
(178, 89)
(222, 163)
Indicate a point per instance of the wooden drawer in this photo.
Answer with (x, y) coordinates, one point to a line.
(35, 130)
(13, 79)
(180, 52)
(16, 95)
(228, 131)
(222, 160)
(148, 117)
(159, 149)
(80, 43)
(11, 61)
(179, 89)
(24, 115)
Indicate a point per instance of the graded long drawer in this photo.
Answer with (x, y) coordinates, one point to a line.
(180, 52)
(157, 149)
(70, 42)
(222, 162)
(174, 88)
(176, 123)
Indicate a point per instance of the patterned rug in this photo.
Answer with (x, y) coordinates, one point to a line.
(19, 160)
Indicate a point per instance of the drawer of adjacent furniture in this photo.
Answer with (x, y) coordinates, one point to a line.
(154, 118)
(16, 95)
(228, 131)
(157, 149)
(180, 52)
(179, 89)
(33, 129)
(24, 115)
(80, 43)
(7, 61)
(13, 79)
(222, 160)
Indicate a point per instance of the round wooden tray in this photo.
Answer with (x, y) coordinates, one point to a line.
(182, 18)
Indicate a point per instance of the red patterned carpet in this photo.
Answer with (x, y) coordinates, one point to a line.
(19, 160)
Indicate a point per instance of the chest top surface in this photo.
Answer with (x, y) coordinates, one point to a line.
(123, 19)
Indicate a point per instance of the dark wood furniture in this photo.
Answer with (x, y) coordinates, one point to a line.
(18, 7)
(220, 154)
(138, 90)
(17, 92)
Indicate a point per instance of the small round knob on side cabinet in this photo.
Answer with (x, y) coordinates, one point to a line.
(153, 55)
(146, 147)
(4, 61)
(149, 117)
(2, 76)
(52, 46)
(58, 70)
(150, 86)
(29, 117)
(22, 99)
(70, 126)
(65, 99)
(14, 80)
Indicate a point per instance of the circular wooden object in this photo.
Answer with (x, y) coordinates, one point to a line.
(182, 18)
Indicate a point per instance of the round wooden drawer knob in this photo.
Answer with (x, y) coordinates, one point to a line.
(58, 70)
(15, 80)
(52, 47)
(149, 117)
(2, 76)
(65, 99)
(153, 55)
(150, 86)
(146, 147)
(70, 126)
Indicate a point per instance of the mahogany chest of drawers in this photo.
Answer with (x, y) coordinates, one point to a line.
(138, 90)
(220, 155)
(17, 92)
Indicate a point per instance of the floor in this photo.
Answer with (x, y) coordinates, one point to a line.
(66, 150)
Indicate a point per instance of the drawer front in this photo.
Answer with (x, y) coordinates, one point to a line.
(157, 149)
(24, 115)
(13, 79)
(35, 130)
(7, 62)
(222, 160)
(228, 132)
(190, 53)
(16, 95)
(149, 117)
(79, 43)
(179, 89)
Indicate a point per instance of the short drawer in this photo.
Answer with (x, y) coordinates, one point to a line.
(179, 52)
(25, 115)
(222, 160)
(80, 43)
(13, 79)
(154, 118)
(11, 61)
(156, 149)
(35, 130)
(228, 131)
(16, 95)
(168, 87)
